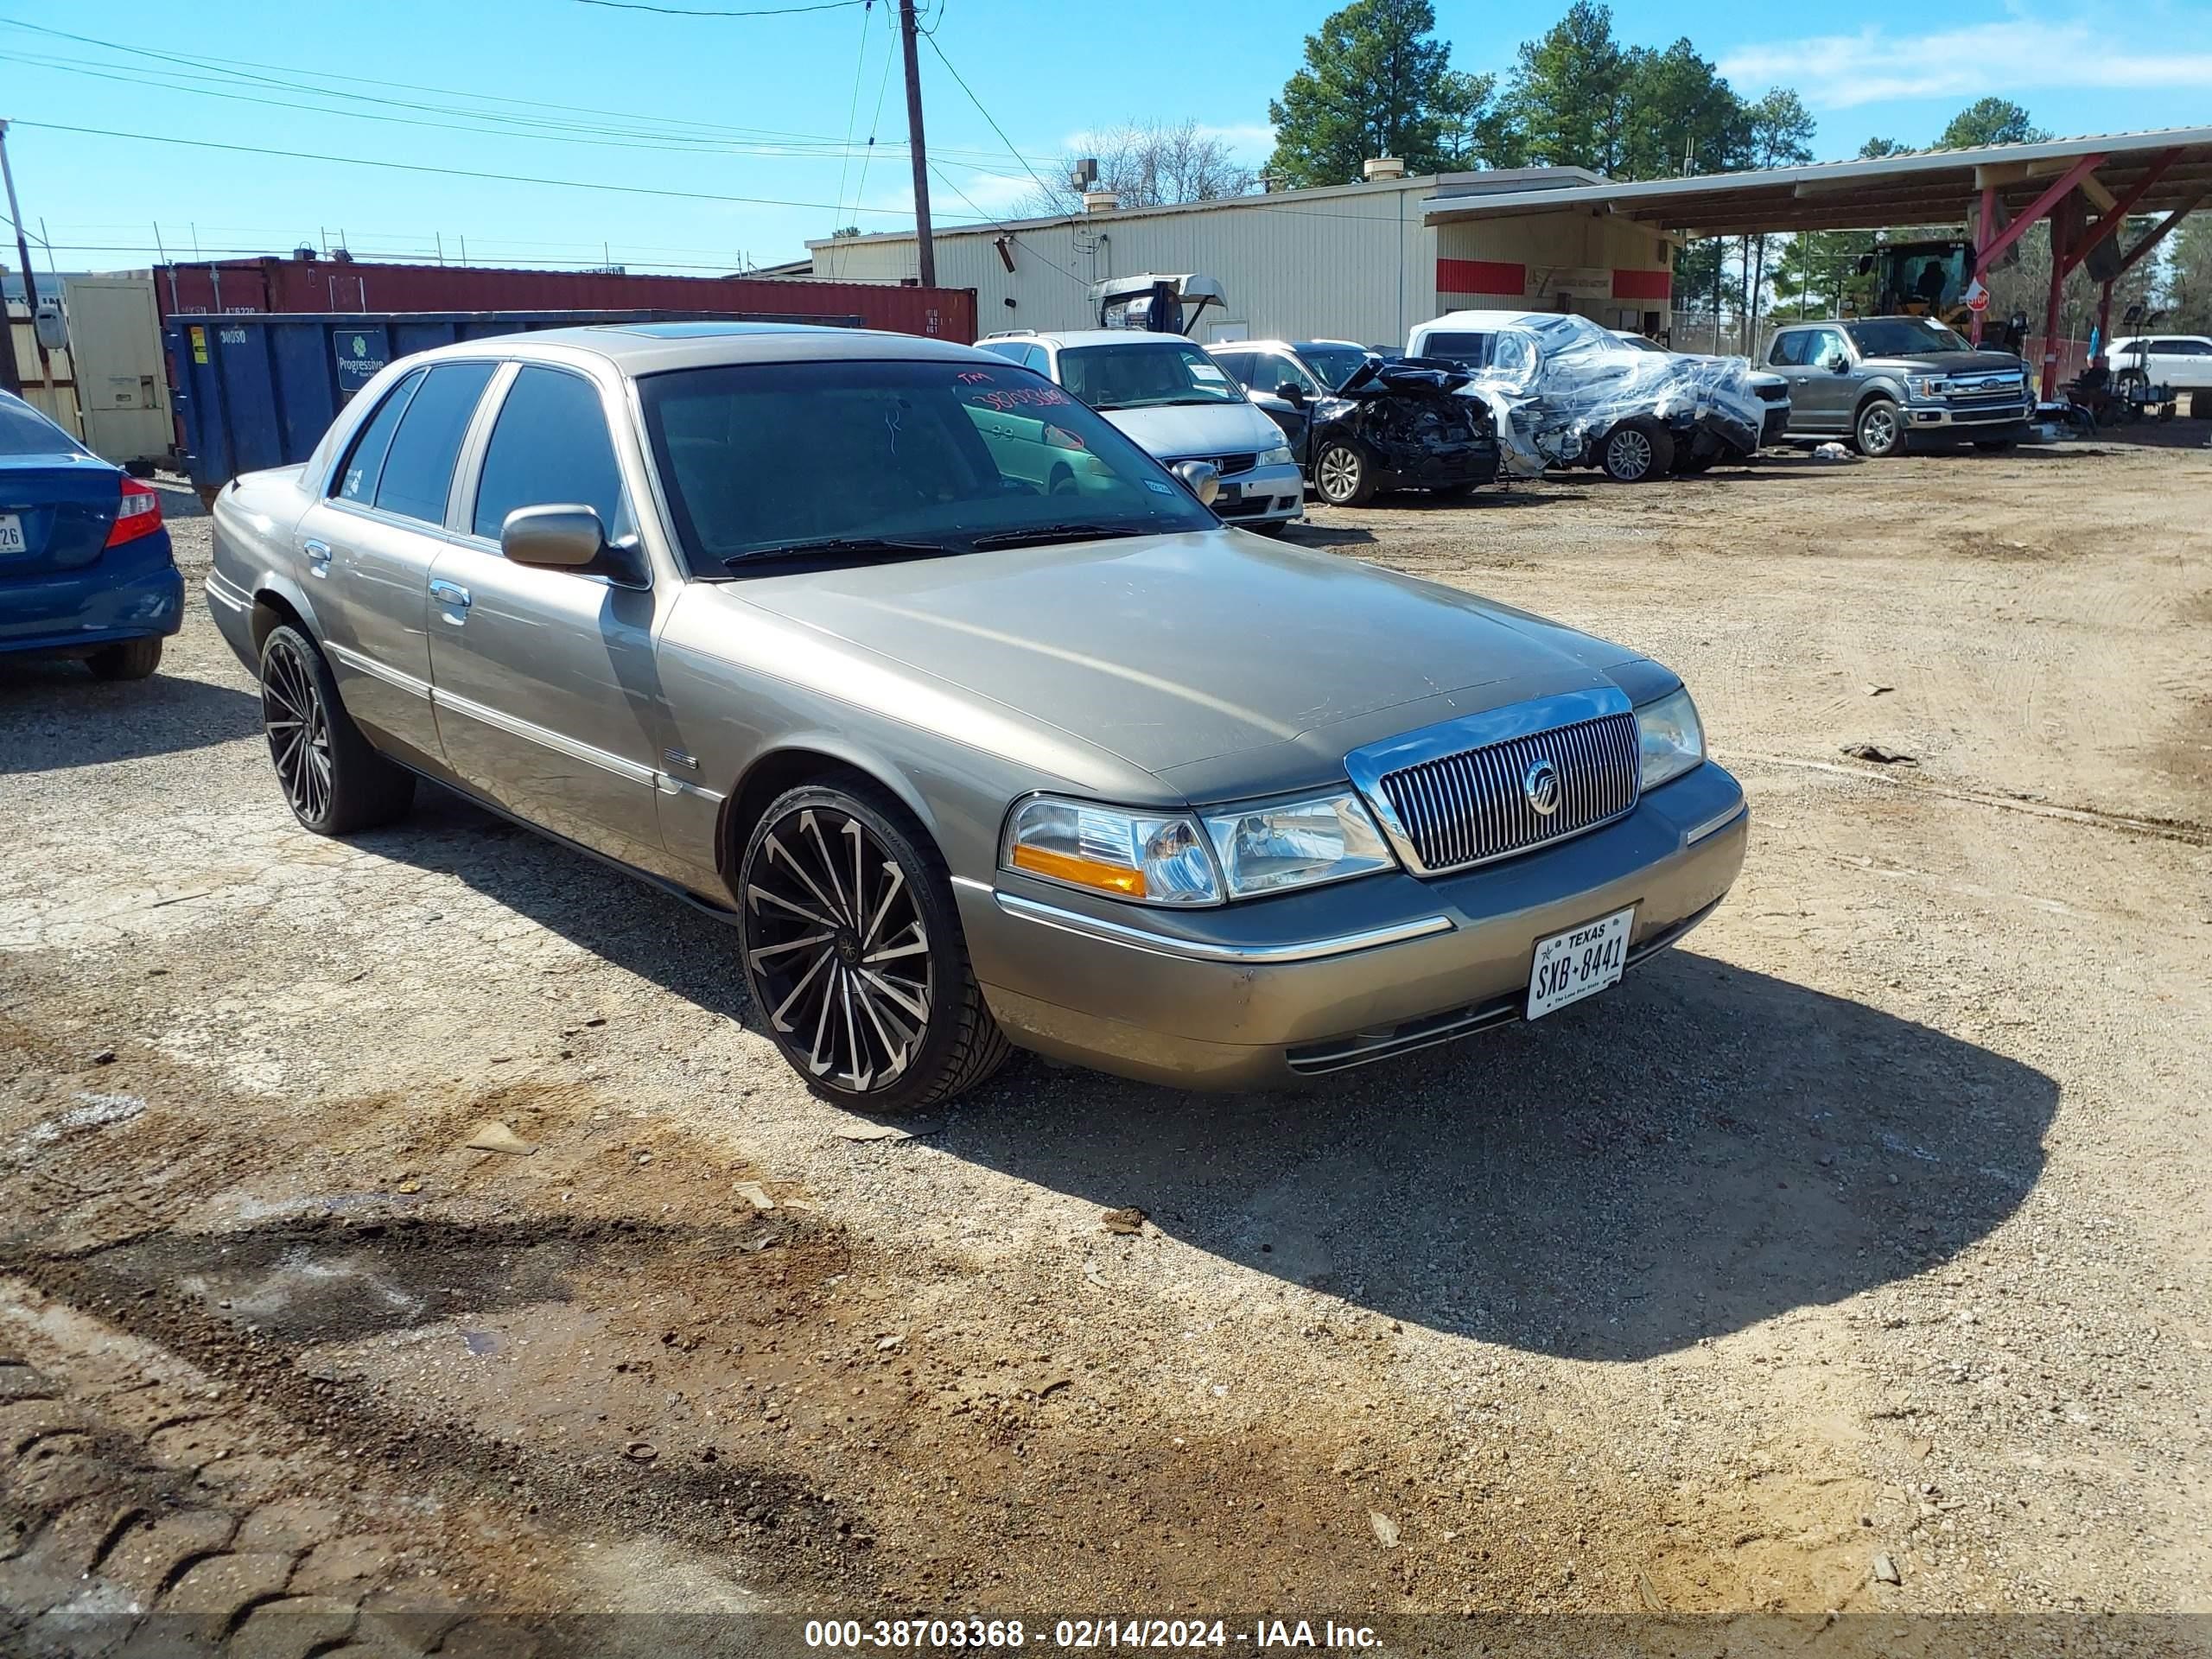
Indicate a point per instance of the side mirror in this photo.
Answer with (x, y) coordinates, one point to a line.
(1201, 478)
(1835, 362)
(1292, 393)
(563, 538)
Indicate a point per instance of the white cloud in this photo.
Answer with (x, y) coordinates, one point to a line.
(1872, 66)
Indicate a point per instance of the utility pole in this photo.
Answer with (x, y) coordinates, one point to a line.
(926, 252)
(31, 285)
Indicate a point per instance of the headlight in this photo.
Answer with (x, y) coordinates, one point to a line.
(1270, 849)
(1922, 385)
(1278, 457)
(1154, 858)
(1670, 736)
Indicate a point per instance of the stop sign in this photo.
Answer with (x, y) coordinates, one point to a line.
(1977, 298)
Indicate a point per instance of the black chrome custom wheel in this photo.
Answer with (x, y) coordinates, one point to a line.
(334, 781)
(298, 725)
(853, 953)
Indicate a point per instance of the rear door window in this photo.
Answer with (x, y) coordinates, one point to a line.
(1468, 351)
(357, 479)
(1788, 350)
(550, 448)
(418, 467)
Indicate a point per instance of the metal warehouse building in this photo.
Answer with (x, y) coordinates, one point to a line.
(1360, 262)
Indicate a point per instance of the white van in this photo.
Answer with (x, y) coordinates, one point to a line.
(1180, 405)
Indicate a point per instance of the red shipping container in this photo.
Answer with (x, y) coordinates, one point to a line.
(274, 284)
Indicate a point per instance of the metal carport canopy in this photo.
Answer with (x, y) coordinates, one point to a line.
(1935, 186)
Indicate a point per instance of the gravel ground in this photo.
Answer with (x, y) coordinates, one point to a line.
(1850, 1259)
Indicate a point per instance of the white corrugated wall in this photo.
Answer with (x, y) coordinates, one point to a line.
(1359, 264)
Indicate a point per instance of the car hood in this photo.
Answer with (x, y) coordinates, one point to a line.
(1948, 363)
(1219, 662)
(1197, 430)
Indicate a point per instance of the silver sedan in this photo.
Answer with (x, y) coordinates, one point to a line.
(782, 619)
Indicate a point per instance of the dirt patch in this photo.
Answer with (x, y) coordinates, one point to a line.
(1863, 1227)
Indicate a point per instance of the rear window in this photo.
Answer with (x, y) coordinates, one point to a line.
(418, 468)
(24, 431)
(1788, 350)
(357, 479)
(1468, 351)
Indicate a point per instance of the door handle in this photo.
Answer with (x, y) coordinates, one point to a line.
(318, 557)
(455, 597)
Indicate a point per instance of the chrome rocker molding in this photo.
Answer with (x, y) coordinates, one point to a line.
(1069, 921)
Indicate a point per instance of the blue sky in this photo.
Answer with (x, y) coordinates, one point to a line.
(776, 109)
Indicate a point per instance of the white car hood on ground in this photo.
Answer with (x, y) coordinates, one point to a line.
(1198, 429)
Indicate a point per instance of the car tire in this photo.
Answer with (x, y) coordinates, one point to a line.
(1689, 466)
(1877, 433)
(1635, 452)
(1342, 474)
(333, 778)
(880, 1038)
(127, 659)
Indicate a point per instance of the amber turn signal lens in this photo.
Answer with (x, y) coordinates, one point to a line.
(1082, 872)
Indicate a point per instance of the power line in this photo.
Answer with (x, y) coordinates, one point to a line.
(931, 36)
(453, 172)
(1032, 252)
(290, 78)
(688, 11)
(853, 104)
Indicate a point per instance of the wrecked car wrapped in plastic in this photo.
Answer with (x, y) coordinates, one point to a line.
(1564, 392)
(1389, 426)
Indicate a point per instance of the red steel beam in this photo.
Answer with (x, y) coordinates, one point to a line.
(2042, 205)
(2120, 210)
(2157, 233)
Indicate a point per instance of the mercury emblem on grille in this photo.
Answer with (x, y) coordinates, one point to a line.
(1541, 785)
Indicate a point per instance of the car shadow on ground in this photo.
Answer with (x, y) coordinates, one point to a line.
(631, 923)
(56, 716)
(1699, 1150)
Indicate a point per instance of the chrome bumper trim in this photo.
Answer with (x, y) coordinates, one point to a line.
(1069, 921)
(1714, 826)
(219, 590)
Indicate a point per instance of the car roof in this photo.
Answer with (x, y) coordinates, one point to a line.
(638, 348)
(1114, 337)
(1479, 319)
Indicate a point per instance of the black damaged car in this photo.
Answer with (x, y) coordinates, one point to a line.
(1360, 424)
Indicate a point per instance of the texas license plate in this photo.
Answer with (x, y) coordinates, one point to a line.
(11, 533)
(1579, 962)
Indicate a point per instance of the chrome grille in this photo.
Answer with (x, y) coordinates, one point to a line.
(1472, 806)
(1227, 464)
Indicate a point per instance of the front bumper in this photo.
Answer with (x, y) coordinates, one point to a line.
(1937, 417)
(77, 611)
(1261, 495)
(1260, 994)
(1775, 425)
(1411, 466)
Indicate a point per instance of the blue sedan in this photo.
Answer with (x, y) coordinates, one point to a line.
(85, 569)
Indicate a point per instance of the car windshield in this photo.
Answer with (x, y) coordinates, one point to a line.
(1639, 343)
(1147, 374)
(1904, 337)
(24, 431)
(933, 455)
(1334, 363)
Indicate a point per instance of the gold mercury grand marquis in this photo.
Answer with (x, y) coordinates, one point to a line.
(974, 721)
